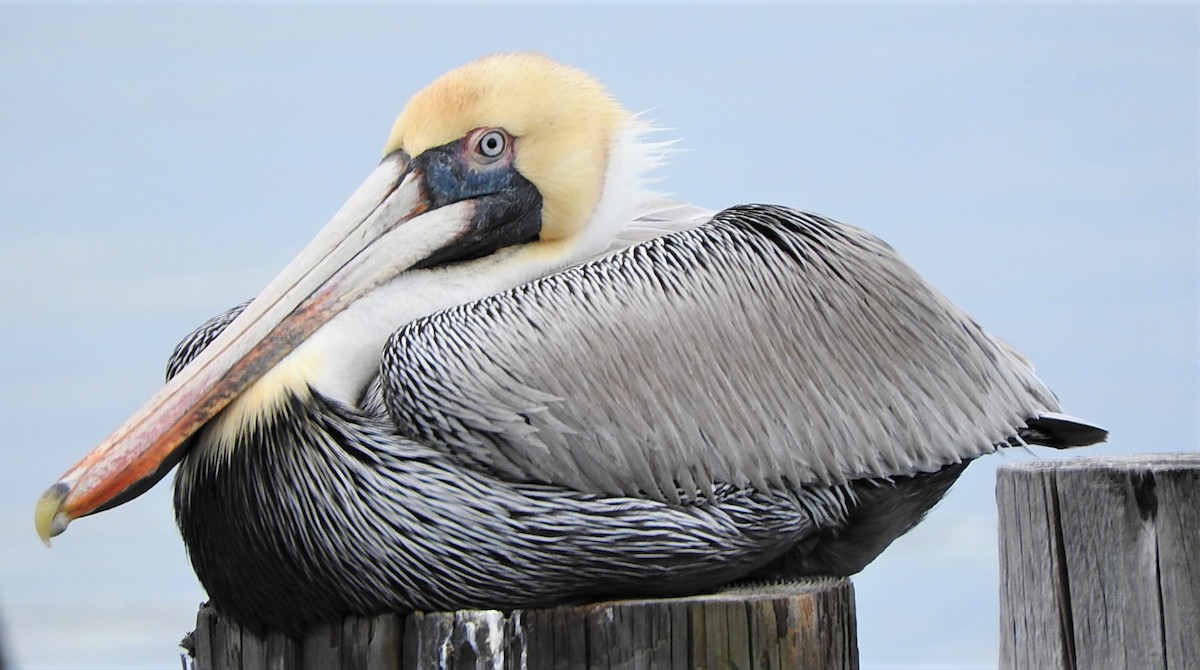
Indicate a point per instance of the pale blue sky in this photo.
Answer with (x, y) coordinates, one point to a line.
(1038, 163)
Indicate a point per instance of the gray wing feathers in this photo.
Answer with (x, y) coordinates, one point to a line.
(766, 347)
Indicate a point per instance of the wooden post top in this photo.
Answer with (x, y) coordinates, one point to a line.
(1162, 461)
(1098, 562)
(801, 624)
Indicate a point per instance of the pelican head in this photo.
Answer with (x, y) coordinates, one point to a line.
(561, 119)
(514, 163)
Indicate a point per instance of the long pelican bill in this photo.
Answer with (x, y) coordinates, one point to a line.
(391, 223)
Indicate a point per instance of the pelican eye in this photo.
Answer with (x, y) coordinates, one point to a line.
(491, 144)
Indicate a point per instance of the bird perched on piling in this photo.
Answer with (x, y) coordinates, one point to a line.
(505, 375)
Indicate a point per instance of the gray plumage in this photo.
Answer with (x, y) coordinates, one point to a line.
(771, 393)
(768, 346)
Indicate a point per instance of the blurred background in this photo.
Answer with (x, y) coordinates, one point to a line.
(1036, 162)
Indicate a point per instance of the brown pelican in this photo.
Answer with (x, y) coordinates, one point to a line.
(504, 375)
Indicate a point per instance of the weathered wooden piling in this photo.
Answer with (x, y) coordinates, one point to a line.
(809, 624)
(1100, 562)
